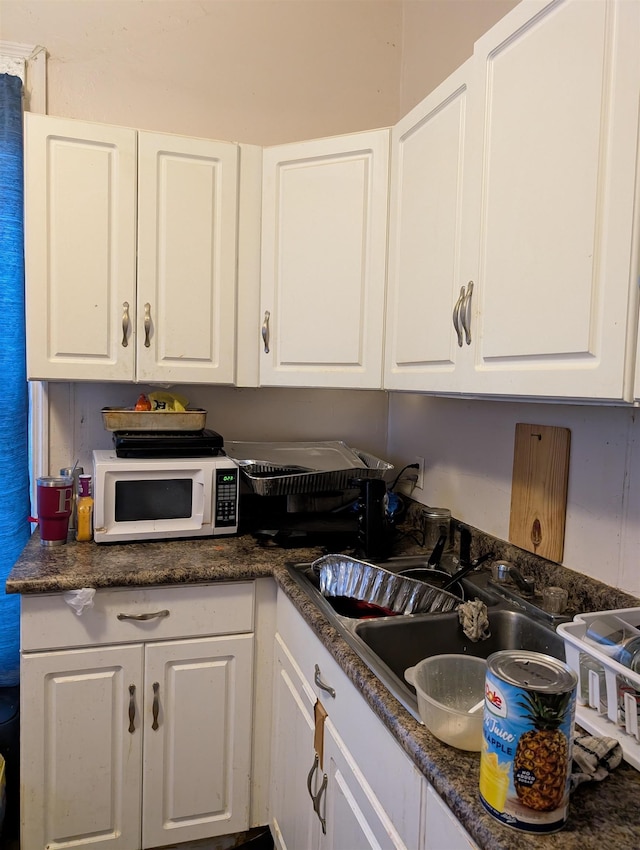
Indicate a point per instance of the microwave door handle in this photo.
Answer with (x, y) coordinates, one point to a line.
(198, 499)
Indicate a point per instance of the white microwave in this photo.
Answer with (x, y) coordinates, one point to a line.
(155, 498)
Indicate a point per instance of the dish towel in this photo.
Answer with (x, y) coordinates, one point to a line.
(474, 620)
(594, 758)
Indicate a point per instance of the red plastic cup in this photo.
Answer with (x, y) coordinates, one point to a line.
(54, 498)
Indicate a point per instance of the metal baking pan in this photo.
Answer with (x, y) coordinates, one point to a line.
(126, 419)
(341, 575)
(289, 469)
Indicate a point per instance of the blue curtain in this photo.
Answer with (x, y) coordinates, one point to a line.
(14, 399)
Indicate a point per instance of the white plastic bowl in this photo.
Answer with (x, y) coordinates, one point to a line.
(448, 686)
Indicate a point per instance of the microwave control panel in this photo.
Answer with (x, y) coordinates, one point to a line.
(226, 506)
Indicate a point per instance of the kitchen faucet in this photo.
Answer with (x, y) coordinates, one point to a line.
(505, 570)
(465, 545)
(464, 559)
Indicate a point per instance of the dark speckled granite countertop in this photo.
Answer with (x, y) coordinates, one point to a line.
(602, 815)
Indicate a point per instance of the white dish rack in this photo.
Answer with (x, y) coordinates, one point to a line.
(614, 713)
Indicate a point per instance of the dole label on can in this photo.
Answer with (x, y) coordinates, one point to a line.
(528, 725)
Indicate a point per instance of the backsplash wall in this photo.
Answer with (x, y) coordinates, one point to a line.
(468, 449)
(357, 417)
(467, 445)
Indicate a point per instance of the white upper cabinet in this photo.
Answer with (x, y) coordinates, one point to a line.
(93, 312)
(556, 130)
(429, 205)
(80, 249)
(187, 209)
(324, 238)
(511, 222)
(524, 232)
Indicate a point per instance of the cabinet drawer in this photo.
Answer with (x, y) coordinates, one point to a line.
(48, 622)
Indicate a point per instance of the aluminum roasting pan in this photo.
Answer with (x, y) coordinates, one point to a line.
(292, 469)
(341, 575)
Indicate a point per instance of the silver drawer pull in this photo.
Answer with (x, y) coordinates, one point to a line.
(152, 616)
(321, 684)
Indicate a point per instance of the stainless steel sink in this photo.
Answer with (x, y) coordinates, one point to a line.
(389, 645)
(401, 642)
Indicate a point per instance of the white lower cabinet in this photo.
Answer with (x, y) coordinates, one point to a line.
(344, 784)
(354, 817)
(444, 831)
(143, 743)
(293, 778)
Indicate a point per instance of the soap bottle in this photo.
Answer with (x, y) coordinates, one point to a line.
(84, 509)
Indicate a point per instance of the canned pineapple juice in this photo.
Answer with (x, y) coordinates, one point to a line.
(525, 763)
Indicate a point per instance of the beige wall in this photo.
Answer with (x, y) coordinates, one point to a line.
(257, 71)
(437, 37)
(358, 418)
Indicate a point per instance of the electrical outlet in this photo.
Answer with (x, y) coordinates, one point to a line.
(420, 470)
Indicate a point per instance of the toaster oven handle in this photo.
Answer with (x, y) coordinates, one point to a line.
(153, 616)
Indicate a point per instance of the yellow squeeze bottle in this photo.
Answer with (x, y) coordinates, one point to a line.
(84, 510)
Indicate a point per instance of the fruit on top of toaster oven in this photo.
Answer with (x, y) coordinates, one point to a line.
(143, 403)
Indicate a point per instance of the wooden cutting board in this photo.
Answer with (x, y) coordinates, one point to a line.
(539, 489)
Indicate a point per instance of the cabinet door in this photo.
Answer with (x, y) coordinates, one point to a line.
(324, 235)
(555, 159)
(294, 823)
(80, 251)
(429, 210)
(187, 234)
(82, 754)
(197, 755)
(353, 815)
(443, 830)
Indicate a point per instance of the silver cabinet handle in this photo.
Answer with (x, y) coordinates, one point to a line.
(155, 709)
(465, 312)
(147, 324)
(125, 323)
(316, 803)
(132, 709)
(155, 615)
(321, 684)
(314, 767)
(265, 331)
(456, 316)
(317, 798)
